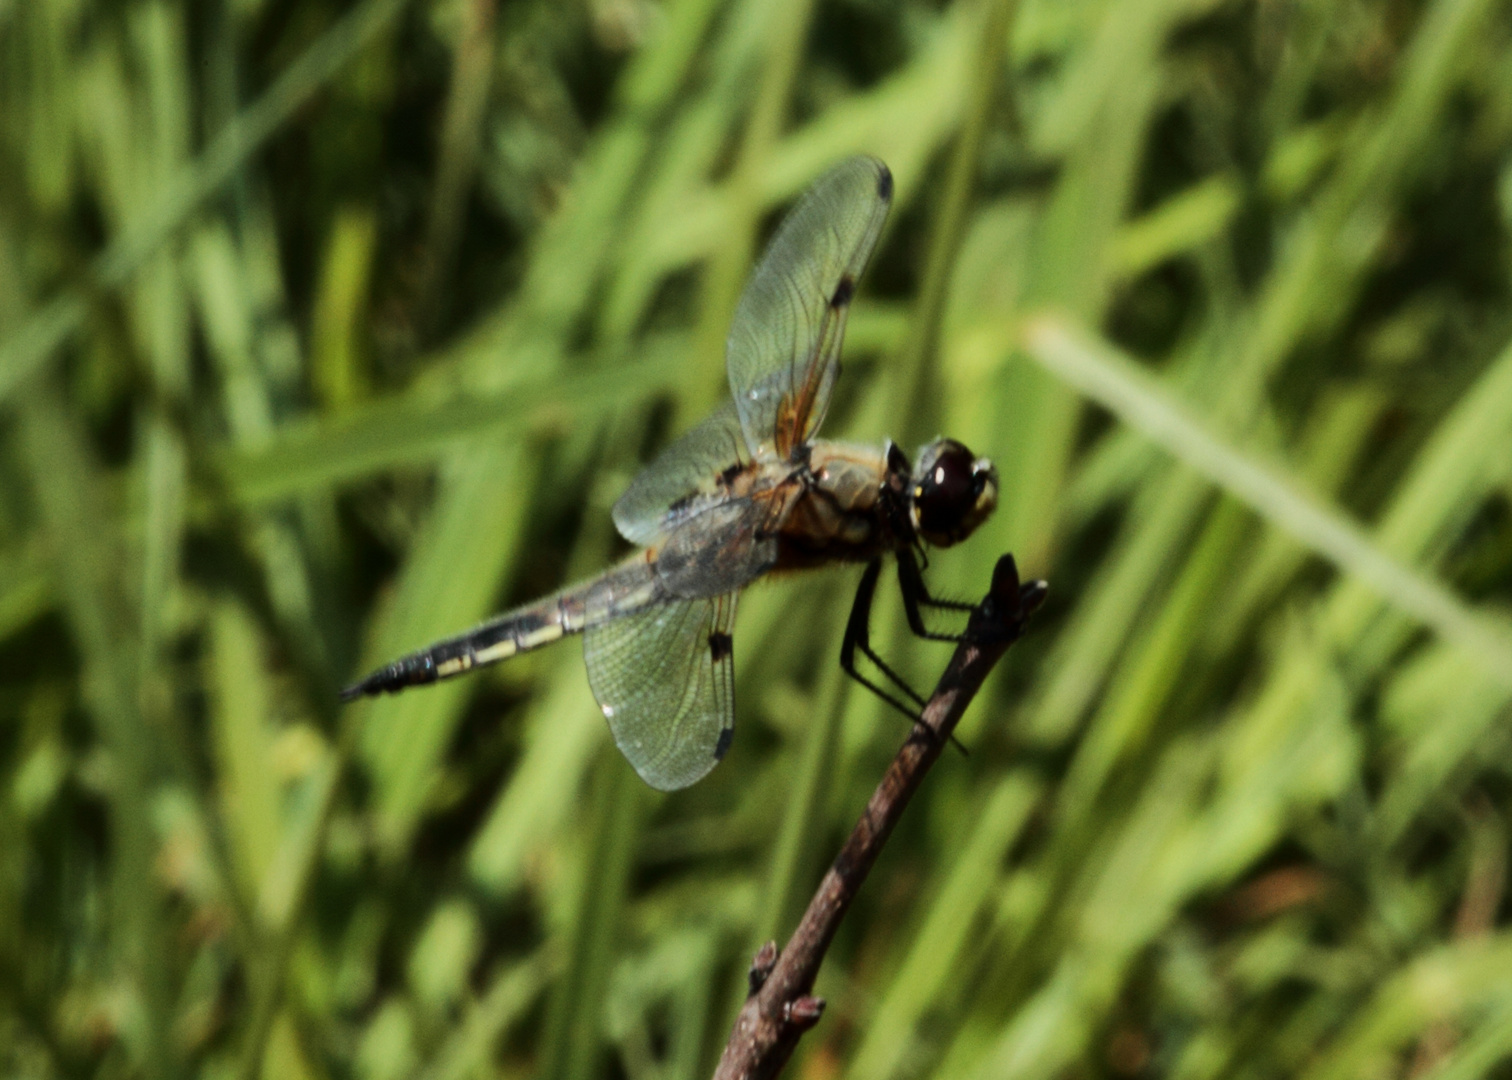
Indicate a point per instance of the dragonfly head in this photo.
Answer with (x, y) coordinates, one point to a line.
(953, 492)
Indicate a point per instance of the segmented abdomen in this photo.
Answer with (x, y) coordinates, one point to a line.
(630, 587)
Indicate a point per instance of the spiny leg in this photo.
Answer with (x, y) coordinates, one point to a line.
(925, 596)
(858, 636)
(928, 600)
(916, 595)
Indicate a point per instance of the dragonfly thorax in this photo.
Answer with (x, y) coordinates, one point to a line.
(952, 492)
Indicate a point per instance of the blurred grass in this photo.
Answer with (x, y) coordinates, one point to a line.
(330, 328)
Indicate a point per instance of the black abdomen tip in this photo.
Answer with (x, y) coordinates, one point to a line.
(392, 678)
(385, 678)
(884, 183)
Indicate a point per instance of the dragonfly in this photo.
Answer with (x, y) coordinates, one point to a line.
(748, 492)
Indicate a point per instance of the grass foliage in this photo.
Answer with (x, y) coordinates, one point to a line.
(330, 328)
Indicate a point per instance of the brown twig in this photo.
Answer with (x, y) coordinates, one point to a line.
(780, 1008)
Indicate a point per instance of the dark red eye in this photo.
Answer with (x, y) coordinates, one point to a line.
(953, 493)
(946, 489)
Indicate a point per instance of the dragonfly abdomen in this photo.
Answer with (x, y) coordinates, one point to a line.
(509, 635)
(626, 589)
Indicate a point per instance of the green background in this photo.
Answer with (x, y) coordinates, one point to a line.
(328, 329)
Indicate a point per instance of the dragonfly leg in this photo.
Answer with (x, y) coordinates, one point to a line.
(858, 636)
(924, 596)
(916, 595)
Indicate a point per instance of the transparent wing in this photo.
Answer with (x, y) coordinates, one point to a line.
(665, 680)
(783, 352)
(727, 546)
(682, 480)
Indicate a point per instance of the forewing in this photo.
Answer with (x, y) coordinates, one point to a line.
(727, 546)
(665, 680)
(682, 480)
(783, 352)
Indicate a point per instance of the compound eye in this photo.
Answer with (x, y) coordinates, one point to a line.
(946, 492)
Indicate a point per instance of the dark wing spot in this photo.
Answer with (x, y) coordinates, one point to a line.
(680, 505)
(721, 645)
(884, 184)
(843, 292)
(731, 472)
(722, 746)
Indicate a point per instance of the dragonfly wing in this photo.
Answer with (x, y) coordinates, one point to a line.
(783, 352)
(665, 680)
(725, 547)
(682, 480)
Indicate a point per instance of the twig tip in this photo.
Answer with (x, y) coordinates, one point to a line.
(761, 966)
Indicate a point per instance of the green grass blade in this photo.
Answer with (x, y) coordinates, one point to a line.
(1111, 380)
(24, 352)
